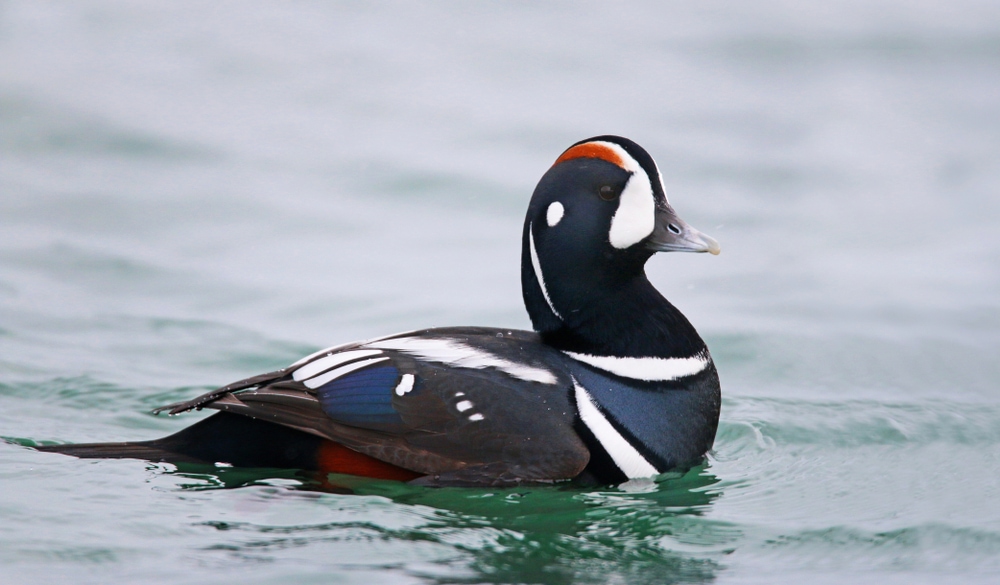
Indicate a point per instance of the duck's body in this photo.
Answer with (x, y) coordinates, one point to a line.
(614, 383)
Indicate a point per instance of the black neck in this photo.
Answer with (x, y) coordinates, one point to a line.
(631, 320)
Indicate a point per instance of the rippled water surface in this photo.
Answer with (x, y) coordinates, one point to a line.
(192, 192)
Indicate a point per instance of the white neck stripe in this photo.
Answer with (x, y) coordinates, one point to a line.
(625, 456)
(538, 273)
(650, 369)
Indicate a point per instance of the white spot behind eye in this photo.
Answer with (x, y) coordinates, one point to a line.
(554, 213)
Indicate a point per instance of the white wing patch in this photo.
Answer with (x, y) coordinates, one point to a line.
(331, 361)
(650, 369)
(625, 456)
(538, 273)
(456, 353)
(335, 373)
(405, 384)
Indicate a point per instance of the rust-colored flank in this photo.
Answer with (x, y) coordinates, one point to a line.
(591, 150)
(336, 458)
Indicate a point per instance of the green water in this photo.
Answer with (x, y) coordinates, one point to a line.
(191, 194)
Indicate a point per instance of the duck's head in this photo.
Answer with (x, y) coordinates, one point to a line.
(595, 218)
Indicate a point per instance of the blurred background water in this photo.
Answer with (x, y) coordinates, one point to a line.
(194, 192)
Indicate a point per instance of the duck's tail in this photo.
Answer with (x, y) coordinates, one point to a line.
(148, 450)
(221, 438)
(241, 441)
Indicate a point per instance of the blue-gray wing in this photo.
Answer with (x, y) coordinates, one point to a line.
(463, 405)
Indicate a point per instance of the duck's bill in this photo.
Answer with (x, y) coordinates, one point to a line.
(672, 234)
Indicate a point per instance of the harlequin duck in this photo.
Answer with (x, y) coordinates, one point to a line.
(613, 383)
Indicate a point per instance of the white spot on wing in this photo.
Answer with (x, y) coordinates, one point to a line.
(405, 384)
(554, 214)
(463, 406)
(331, 361)
(625, 456)
(341, 371)
(456, 353)
(538, 272)
(650, 369)
(476, 417)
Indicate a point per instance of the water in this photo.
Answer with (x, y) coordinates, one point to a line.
(194, 193)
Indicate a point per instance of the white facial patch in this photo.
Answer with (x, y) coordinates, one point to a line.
(458, 354)
(625, 456)
(554, 213)
(536, 265)
(650, 369)
(635, 217)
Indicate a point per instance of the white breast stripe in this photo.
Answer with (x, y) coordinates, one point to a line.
(650, 369)
(331, 361)
(625, 456)
(456, 353)
(342, 370)
(538, 273)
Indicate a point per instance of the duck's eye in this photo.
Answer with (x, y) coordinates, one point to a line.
(608, 193)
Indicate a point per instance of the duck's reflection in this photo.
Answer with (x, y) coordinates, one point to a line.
(643, 531)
